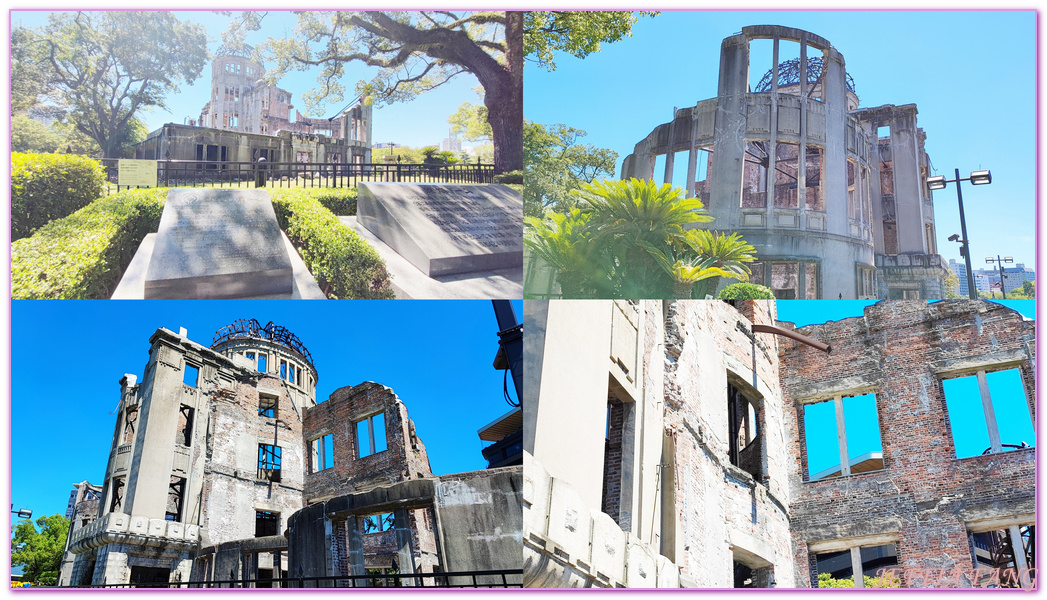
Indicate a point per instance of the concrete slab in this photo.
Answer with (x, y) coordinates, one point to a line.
(409, 282)
(215, 243)
(446, 229)
(132, 284)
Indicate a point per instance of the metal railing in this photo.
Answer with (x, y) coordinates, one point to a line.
(506, 578)
(196, 173)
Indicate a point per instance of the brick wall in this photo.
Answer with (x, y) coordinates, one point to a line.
(925, 497)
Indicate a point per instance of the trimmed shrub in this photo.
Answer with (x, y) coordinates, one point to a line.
(340, 201)
(510, 177)
(45, 187)
(83, 255)
(746, 291)
(343, 263)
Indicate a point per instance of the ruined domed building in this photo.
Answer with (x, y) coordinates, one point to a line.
(850, 219)
(224, 468)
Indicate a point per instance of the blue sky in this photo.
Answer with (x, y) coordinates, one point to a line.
(963, 400)
(971, 75)
(422, 122)
(70, 355)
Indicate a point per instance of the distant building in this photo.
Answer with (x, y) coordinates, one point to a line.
(451, 143)
(247, 119)
(988, 280)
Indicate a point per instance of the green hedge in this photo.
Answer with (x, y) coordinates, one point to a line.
(45, 187)
(340, 201)
(83, 255)
(746, 291)
(343, 263)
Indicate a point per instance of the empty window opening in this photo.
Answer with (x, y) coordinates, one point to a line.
(175, 499)
(743, 434)
(1004, 558)
(988, 413)
(130, 422)
(149, 575)
(750, 577)
(845, 426)
(786, 175)
(266, 523)
(612, 459)
(269, 462)
(283, 369)
(117, 491)
(184, 436)
(267, 405)
(322, 453)
(890, 235)
(298, 375)
(813, 179)
(785, 280)
(854, 205)
(887, 178)
(761, 61)
(379, 523)
(190, 375)
(876, 564)
(290, 373)
(703, 167)
(370, 435)
(883, 132)
(263, 363)
(754, 175)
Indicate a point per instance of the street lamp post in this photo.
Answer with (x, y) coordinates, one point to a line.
(23, 513)
(976, 178)
(999, 261)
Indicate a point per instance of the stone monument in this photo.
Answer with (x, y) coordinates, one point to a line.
(446, 229)
(215, 243)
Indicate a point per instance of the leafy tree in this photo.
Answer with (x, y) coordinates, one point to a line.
(952, 286)
(417, 52)
(629, 239)
(470, 121)
(577, 32)
(105, 67)
(556, 163)
(29, 78)
(39, 553)
(1029, 289)
(30, 135)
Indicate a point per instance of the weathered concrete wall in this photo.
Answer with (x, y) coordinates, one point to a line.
(704, 350)
(925, 499)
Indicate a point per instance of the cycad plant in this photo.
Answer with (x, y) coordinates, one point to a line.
(630, 239)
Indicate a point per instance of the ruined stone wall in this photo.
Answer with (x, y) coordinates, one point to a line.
(924, 499)
(405, 456)
(724, 513)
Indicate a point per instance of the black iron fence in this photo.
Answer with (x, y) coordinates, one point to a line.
(195, 173)
(507, 578)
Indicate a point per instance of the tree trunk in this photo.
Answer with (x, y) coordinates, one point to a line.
(505, 102)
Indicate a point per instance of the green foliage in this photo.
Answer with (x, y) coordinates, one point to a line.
(83, 255)
(512, 177)
(470, 121)
(105, 67)
(39, 552)
(889, 580)
(415, 52)
(746, 291)
(629, 239)
(577, 32)
(30, 135)
(555, 164)
(1029, 289)
(50, 186)
(343, 263)
(952, 286)
(340, 201)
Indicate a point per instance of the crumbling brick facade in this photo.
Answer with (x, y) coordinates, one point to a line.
(925, 501)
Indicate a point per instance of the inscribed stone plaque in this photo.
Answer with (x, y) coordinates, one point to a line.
(444, 229)
(218, 244)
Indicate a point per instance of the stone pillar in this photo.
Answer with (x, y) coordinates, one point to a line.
(404, 547)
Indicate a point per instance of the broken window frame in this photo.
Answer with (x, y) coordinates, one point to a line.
(265, 521)
(841, 433)
(184, 435)
(857, 562)
(269, 462)
(996, 446)
(130, 425)
(117, 487)
(1021, 567)
(175, 499)
(321, 453)
(372, 439)
(268, 405)
(749, 425)
(378, 523)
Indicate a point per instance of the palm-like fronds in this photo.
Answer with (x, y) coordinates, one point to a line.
(640, 210)
(561, 240)
(729, 253)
